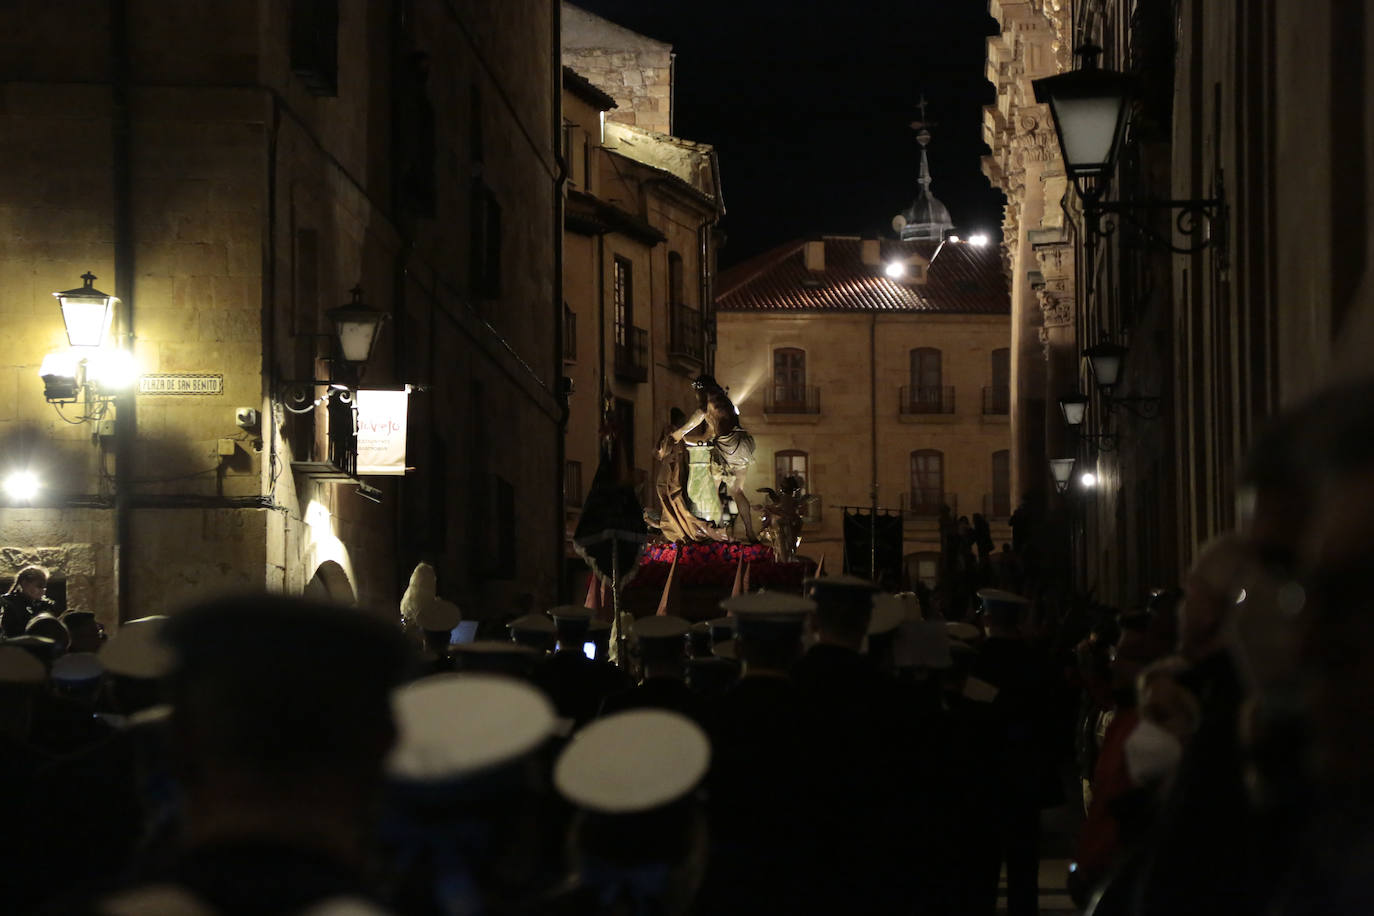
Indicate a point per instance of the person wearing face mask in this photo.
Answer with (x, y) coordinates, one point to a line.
(1169, 717)
(1100, 840)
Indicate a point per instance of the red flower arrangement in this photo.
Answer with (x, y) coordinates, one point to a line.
(714, 563)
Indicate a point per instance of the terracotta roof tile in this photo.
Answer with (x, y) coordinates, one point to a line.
(962, 279)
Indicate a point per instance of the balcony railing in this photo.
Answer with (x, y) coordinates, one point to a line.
(997, 505)
(926, 502)
(632, 356)
(927, 399)
(793, 399)
(684, 333)
(996, 400)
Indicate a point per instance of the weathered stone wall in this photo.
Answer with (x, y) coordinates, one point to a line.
(633, 69)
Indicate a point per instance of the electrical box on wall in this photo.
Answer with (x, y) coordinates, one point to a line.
(227, 448)
(246, 417)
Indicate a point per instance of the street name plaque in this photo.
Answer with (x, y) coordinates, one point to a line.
(181, 384)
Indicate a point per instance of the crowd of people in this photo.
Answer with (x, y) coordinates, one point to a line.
(842, 751)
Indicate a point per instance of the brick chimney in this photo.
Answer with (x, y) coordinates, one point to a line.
(815, 256)
(872, 255)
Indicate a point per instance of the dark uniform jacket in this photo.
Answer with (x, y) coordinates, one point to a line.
(657, 693)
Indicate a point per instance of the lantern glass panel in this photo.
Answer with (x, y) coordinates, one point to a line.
(87, 319)
(356, 337)
(1089, 128)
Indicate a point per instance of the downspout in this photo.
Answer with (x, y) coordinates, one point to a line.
(873, 442)
(559, 389)
(125, 409)
(600, 324)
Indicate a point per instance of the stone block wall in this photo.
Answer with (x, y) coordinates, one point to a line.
(633, 69)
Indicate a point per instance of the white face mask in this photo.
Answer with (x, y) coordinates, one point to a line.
(1152, 753)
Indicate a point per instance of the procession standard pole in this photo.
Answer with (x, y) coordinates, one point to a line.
(617, 628)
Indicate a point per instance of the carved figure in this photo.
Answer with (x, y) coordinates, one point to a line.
(781, 517)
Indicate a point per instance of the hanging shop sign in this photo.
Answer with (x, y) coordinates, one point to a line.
(382, 431)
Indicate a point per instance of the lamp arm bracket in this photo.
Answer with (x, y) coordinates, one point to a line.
(1145, 408)
(1195, 220)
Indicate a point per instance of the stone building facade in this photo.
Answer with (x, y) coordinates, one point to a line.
(638, 269)
(1266, 105)
(231, 173)
(636, 71)
(873, 389)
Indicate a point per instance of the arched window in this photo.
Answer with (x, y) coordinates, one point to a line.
(927, 481)
(926, 393)
(789, 380)
(1001, 485)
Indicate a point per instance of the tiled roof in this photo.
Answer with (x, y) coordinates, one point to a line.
(962, 279)
(582, 87)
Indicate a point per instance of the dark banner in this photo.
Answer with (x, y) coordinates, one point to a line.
(862, 530)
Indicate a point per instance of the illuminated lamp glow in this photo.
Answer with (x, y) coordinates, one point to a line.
(22, 486)
(895, 270)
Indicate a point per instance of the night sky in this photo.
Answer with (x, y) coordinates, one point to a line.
(809, 104)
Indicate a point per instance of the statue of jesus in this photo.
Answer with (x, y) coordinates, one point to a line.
(716, 423)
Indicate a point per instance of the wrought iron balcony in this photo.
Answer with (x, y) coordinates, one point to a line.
(632, 356)
(791, 399)
(684, 333)
(926, 502)
(996, 400)
(927, 399)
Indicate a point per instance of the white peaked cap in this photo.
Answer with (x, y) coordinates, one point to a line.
(18, 666)
(452, 726)
(439, 614)
(75, 667)
(137, 650)
(632, 762)
(665, 627)
(778, 605)
(888, 614)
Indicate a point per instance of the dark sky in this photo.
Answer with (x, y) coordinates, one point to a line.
(809, 103)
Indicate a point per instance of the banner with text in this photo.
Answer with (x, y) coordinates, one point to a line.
(382, 431)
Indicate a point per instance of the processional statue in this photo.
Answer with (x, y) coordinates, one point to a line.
(700, 456)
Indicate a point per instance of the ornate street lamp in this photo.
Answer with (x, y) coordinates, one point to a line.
(356, 325)
(86, 312)
(1090, 111)
(1105, 359)
(1062, 469)
(1074, 407)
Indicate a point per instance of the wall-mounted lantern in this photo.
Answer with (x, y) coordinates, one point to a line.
(356, 325)
(1062, 469)
(86, 312)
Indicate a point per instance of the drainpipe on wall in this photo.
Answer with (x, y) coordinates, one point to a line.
(559, 391)
(125, 412)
